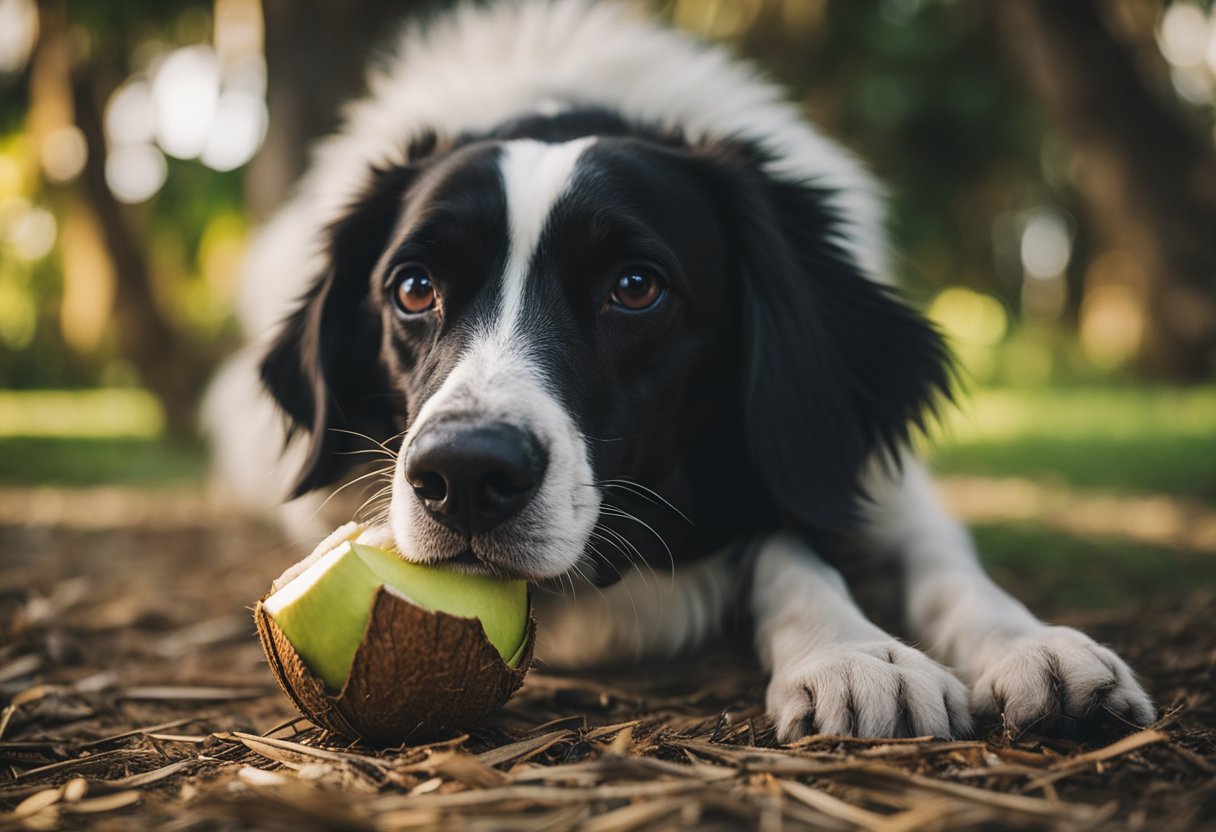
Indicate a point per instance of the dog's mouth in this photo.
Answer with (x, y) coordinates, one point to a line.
(468, 560)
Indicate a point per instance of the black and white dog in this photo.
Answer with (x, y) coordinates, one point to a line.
(621, 316)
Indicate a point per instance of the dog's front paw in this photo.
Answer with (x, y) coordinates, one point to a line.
(1040, 681)
(876, 689)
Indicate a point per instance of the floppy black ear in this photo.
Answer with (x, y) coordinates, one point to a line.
(835, 365)
(324, 368)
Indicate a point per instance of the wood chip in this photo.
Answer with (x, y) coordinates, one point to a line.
(187, 693)
(147, 778)
(608, 730)
(82, 761)
(35, 803)
(6, 716)
(1124, 746)
(621, 742)
(890, 749)
(821, 801)
(611, 768)
(464, 767)
(192, 739)
(523, 748)
(135, 732)
(1068, 766)
(427, 786)
(75, 789)
(26, 665)
(260, 777)
(105, 803)
(266, 746)
(1009, 802)
(633, 816)
(771, 761)
(544, 795)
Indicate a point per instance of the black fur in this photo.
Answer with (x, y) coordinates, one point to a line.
(750, 398)
(324, 368)
(835, 366)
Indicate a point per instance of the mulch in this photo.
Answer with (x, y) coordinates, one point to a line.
(133, 693)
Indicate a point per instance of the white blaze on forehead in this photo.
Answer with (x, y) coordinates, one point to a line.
(534, 176)
(497, 379)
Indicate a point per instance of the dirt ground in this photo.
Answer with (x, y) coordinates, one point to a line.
(134, 694)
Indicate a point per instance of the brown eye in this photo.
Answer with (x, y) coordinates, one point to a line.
(637, 288)
(413, 291)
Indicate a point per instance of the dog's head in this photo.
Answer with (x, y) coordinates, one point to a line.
(589, 343)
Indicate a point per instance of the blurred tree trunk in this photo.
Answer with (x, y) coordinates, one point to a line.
(167, 363)
(317, 53)
(1147, 177)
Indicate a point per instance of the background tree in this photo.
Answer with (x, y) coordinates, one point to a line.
(316, 55)
(1145, 168)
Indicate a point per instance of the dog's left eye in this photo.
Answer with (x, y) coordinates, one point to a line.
(637, 288)
(412, 289)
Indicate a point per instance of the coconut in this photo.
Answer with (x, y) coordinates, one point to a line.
(373, 647)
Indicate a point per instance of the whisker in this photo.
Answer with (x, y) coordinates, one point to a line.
(633, 605)
(616, 511)
(376, 451)
(374, 513)
(619, 539)
(380, 472)
(612, 439)
(597, 534)
(383, 445)
(623, 539)
(646, 493)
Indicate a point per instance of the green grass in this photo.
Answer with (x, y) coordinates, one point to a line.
(1055, 570)
(1122, 440)
(91, 437)
(1130, 440)
(101, 461)
(1114, 439)
(108, 412)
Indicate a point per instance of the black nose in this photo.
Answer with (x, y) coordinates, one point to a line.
(471, 477)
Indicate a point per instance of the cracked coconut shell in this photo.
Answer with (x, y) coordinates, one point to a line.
(416, 675)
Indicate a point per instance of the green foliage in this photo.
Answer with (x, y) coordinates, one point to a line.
(1113, 439)
(921, 91)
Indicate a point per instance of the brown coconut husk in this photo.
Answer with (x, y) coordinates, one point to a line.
(417, 674)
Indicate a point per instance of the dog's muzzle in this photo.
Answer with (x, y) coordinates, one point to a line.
(471, 476)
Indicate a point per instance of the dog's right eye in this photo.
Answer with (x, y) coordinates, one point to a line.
(412, 289)
(637, 289)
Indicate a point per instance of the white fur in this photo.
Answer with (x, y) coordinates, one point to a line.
(534, 175)
(1013, 662)
(833, 671)
(647, 613)
(251, 462)
(499, 380)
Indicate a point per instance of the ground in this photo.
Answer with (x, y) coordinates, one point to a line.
(133, 690)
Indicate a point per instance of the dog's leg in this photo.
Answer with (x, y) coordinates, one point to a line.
(832, 670)
(1020, 669)
(647, 613)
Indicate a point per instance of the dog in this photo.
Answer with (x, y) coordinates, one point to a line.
(617, 316)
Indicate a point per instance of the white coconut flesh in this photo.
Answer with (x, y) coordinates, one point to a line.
(324, 609)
